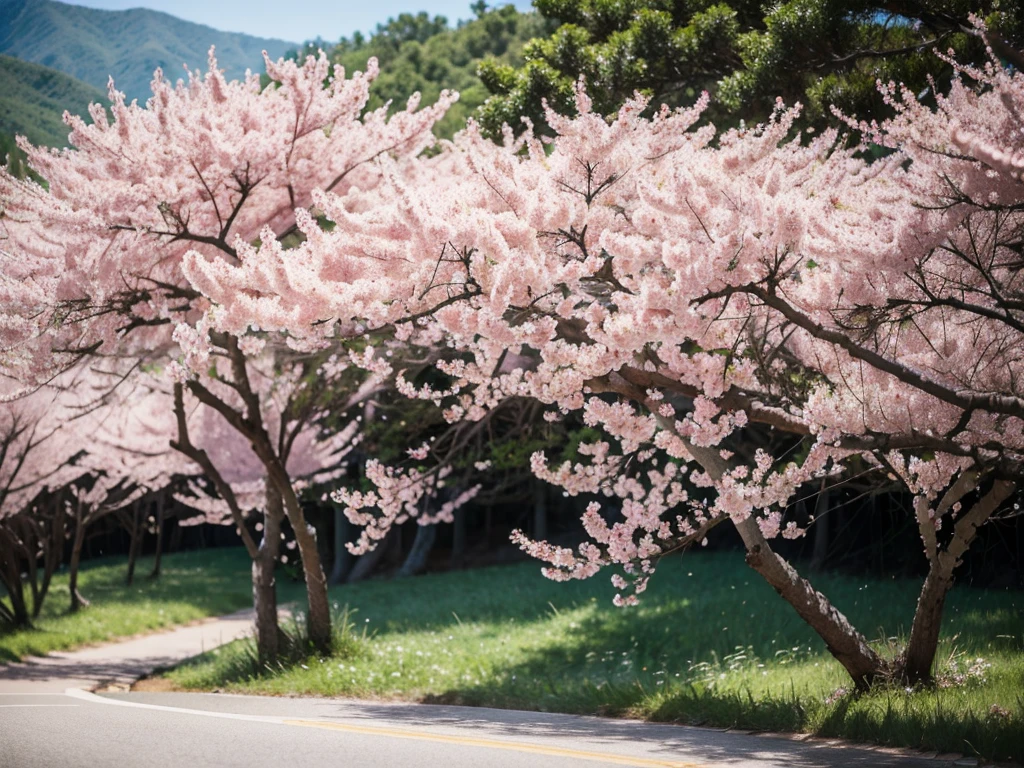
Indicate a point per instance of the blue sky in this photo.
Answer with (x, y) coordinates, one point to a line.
(296, 20)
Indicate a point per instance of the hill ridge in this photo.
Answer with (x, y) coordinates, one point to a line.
(34, 98)
(92, 44)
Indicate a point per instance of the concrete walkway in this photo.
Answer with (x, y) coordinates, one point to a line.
(121, 663)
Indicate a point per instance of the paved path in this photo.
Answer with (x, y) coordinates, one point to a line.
(48, 717)
(121, 663)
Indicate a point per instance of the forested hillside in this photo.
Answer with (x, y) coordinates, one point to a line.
(92, 44)
(420, 53)
(34, 98)
(32, 104)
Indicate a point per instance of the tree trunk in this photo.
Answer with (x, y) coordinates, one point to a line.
(458, 559)
(919, 656)
(10, 575)
(318, 615)
(416, 560)
(155, 573)
(54, 554)
(849, 647)
(540, 511)
(175, 542)
(249, 422)
(342, 557)
(924, 633)
(30, 542)
(393, 555)
(821, 533)
(366, 563)
(844, 642)
(135, 544)
(16, 594)
(77, 601)
(264, 588)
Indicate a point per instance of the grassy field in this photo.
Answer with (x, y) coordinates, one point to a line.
(193, 585)
(710, 644)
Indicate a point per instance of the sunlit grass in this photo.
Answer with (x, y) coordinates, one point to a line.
(710, 644)
(193, 585)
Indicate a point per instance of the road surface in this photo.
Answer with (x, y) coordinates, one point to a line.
(50, 719)
(78, 729)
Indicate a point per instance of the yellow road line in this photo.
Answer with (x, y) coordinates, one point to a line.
(512, 746)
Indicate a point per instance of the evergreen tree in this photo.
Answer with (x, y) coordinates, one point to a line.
(744, 52)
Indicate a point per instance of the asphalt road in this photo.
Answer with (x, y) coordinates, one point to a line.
(150, 730)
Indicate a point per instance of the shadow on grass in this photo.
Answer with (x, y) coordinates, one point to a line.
(663, 662)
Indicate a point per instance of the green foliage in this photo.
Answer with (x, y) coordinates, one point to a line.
(745, 53)
(423, 53)
(710, 644)
(12, 158)
(92, 44)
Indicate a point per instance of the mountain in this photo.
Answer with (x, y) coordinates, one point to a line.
(34, 98)
(92, 44)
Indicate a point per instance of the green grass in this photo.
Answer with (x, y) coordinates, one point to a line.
(710, 644)
(193, 585)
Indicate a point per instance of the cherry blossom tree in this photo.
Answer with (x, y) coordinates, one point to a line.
(209, 167)
(130, 450)
(37, 457)
(293, 406)
(53, 460)
(678, 288)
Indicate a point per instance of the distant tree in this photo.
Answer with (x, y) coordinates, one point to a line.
(418, 53)
(11, 156)
(37, 453)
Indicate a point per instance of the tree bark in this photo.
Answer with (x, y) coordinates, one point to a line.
(366, 563)
(250, 424)
(821, 525)
(342, 557)
(136, 541)
(318, 615)
(157, 558)
(915, 666)
(540, 511)
(458, 558)
(29, 546)
(416, 560)
(10, 574)
(264, 588)
(54, 553)
(849, 647)
(16, 594)
(77, 601)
